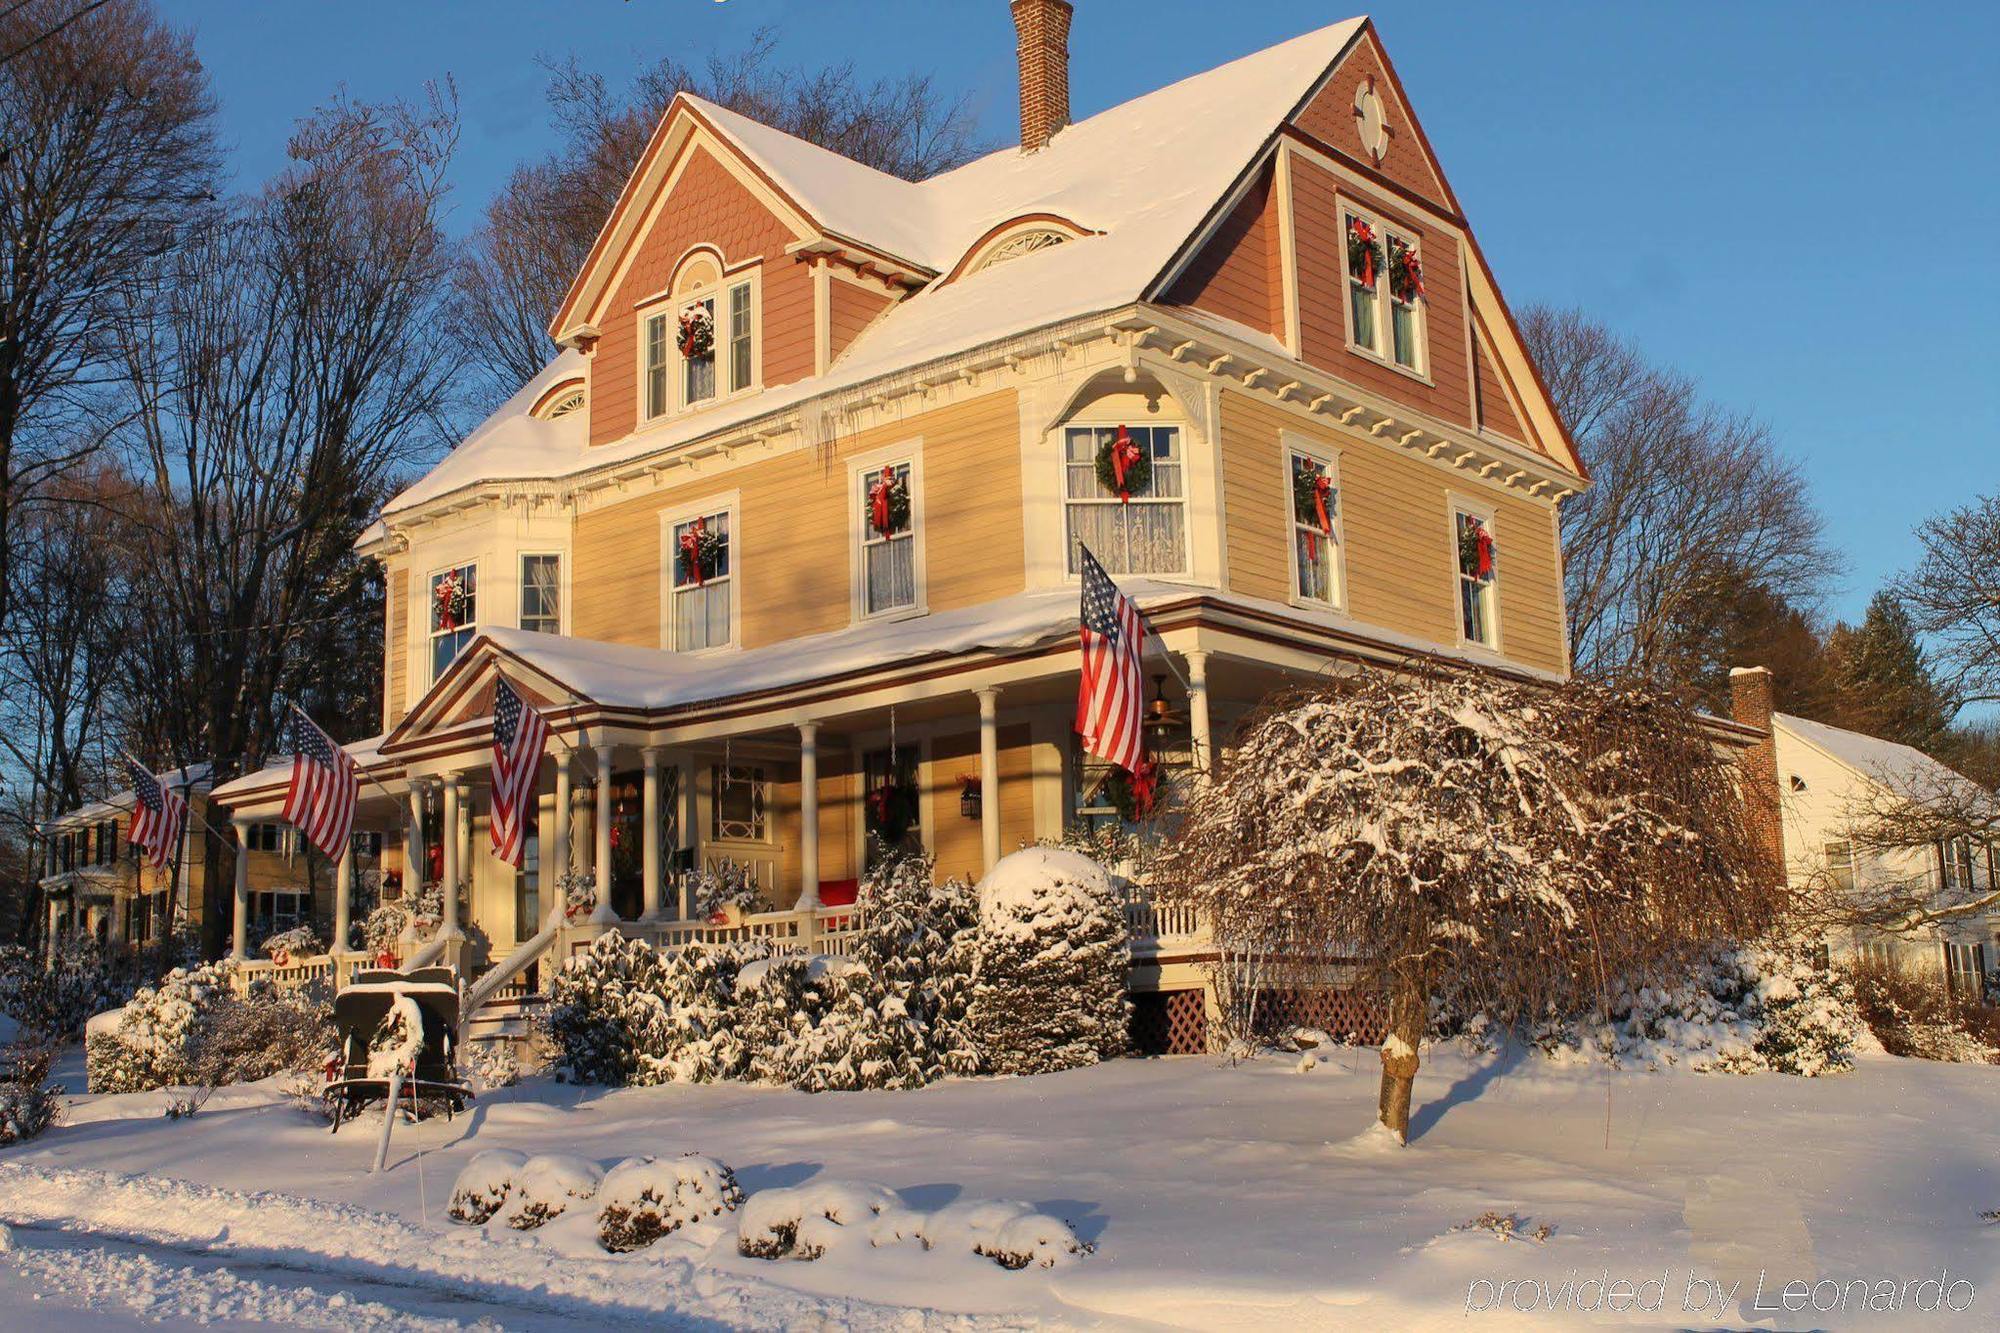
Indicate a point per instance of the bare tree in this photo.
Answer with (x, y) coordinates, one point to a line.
(1953, 595)
(541, 225)
(1924, 839)
(1693, 507)
(108, 147)
(291, 356)
(1512, 849)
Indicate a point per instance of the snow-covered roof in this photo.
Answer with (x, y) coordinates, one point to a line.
(1144, 175)
(365, 753)
(1901, 767)
(194, 777)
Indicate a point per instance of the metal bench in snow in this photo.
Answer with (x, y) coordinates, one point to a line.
(394, 1023)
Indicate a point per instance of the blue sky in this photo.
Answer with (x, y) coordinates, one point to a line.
(1795, 202)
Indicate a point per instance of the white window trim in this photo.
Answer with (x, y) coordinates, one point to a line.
(669, 306)
(1456, 504)
(1344, 207)
(1094, 421)
(429, 673)
(561, 558)
(731, 504)
(861, 465)
(1328, 457)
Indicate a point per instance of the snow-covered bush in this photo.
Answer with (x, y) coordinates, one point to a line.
(644, 1198)
(192, 1028)
(55, 1000)
(921, 941)
(547, 1185)
(29, 1103)
(624, 1013)
(1741, 1010)
(295, 944)
(809, 1221)
(723, 885)
(825, 1024)
(417, 913)
(1053, 957)
(483, 1185)
(1915, 1014)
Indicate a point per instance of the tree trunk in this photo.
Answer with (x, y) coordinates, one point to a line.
(1409, 1007)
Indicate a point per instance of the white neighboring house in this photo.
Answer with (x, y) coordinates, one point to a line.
(1824, 772)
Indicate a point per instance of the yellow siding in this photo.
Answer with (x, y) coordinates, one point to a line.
(396, 637)
(791, 552)
(1395, 521)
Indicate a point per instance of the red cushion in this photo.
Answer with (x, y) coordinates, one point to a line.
(838, 892)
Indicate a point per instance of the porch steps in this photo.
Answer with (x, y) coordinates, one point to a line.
(503, 1021)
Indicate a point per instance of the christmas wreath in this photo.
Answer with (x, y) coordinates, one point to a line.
(1135, 795)
(1122, 466)
(1406, 272)
(701, 553)
(697, 336)
(892, 809)
(1312, 502)
(889, 503)
(1364, 252)
(1475, 549)
(451, 597)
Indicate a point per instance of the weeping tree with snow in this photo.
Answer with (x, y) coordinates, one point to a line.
(1511, 849)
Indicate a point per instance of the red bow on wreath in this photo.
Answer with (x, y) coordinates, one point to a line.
(1145, 786)
(691, 548)
(1485, 540)
(1124, 453)
(1322, 487)
(1363, 237)
(1411, 280)
(878, 499)
(450, 601)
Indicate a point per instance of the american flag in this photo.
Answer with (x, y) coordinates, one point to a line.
(158, 819)
(519, 733)
(1112, 693)
(325, 785)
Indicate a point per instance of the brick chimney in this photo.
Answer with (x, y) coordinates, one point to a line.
(1750, 703)
(1041, 40)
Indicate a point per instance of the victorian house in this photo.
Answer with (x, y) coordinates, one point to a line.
(785, 540)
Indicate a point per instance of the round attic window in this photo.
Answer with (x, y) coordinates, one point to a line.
(1371, 121)
(1021, 243)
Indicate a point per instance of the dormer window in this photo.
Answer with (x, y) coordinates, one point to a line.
(1385, 292)
(701, 346)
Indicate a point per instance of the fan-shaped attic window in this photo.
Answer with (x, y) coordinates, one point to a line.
(1019, 244)
(560, 401)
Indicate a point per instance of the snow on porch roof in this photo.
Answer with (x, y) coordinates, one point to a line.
(1145, 174)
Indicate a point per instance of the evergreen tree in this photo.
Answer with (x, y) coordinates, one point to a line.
(1884, 680)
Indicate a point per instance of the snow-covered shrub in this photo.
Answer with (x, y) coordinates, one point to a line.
(1915, 1014)
(1741, 1010)
(921, 941)
(1053, 957)
(808, 1221)
(493, 1064)
(483, 1185)
(417, 913)
(29, 1103)
(53, 1001)
(192, 1028)
(645, 1198)
(725, 884)
(624, 1013)
(547, 1184)
(295, 944)
(1034, 1238)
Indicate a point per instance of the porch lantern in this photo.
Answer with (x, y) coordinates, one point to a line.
(970, 797)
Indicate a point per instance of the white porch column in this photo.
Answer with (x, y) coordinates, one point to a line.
(560, 863)
(989, 775)
(808, 816)
(453, 800)
(413, 843)
(690, 835)
(239, 929)
(55, 919)
(602, 842)
(1204, 750)
(343, 899)
(650, 839)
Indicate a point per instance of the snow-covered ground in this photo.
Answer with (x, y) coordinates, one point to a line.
(1217, 1197)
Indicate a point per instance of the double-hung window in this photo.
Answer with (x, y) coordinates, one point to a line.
(454, 613)
(698, 349)
(1476, 558)
(541, 593)
(703, 585)
(1141, 529)
(658, 341)
(697, 333)
(739, 337)
(1315, 499)
(1956, 856)
(1385, 291)
(1840, 864)
(888, 559)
